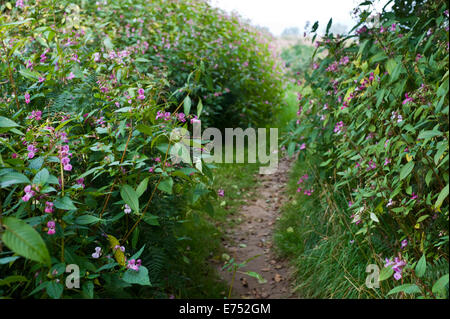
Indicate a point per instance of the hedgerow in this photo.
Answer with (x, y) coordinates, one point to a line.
(90, 92)
(375, 109)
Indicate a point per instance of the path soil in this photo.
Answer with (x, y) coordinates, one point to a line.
(254, 236)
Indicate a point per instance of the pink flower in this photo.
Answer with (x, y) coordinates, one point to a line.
(141, 94)
(68, 167)
(404, 243)
(19, 4)
(303, 146)
(70, 76)
(29, 193)
(65, 160)
(80, 181)
(96, 57)
(407, 99)
(387, 161)
(413, 196)
(127, 209)
(181, 117)
(27, 98)
(221, 192)
(390, 202)
(51, 227)
(134, 264)
(48, 207)
(98, 253)
(339, 127)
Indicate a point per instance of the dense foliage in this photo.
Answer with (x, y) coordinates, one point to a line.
(297, 58)
(374, 109)
(90, 92)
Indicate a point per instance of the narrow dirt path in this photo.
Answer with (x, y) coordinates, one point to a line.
(253, 237)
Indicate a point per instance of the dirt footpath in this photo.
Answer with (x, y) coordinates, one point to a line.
(254, 235)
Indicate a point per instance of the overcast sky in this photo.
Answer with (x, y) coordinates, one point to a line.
(280, 14)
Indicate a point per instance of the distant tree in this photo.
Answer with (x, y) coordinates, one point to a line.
(338, 28)
(293, 31)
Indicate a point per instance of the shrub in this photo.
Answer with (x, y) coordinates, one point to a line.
(375, 107)
(89, 95)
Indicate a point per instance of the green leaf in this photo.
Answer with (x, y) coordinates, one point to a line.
(421, 267)
(137, 277)
(6, 122)
(144, 129)
(87, 220)
(442, 196)
(253, 274)
(385, 273)
(88, 289)
(7, 260)
(329, 26)
(13, 178)
(406, 288)
(187, 103)
(41, 177)
(151, 219)
(130, 197)
(391, 64)
(429, 134)
(36, 163)
(199, 108)
(374, 217)
(428, 177)
(166, 185)
(142, 187)
(31, 75)
(54, 289)
(12, 279)
(291, 148)
(65, 203)
(24, 240)
(406, 170)
(439, 286)
(138, 254)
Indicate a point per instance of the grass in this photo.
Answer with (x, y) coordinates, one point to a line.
(313, 235)
(290, 107)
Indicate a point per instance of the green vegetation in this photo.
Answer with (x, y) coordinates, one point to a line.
(90, 93)
(372, 136)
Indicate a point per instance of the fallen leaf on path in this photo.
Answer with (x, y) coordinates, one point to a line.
(278, 278)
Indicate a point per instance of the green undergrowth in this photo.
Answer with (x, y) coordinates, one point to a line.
(328, 263)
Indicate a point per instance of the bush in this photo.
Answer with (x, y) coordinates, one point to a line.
(375, 108)
(90, 94)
